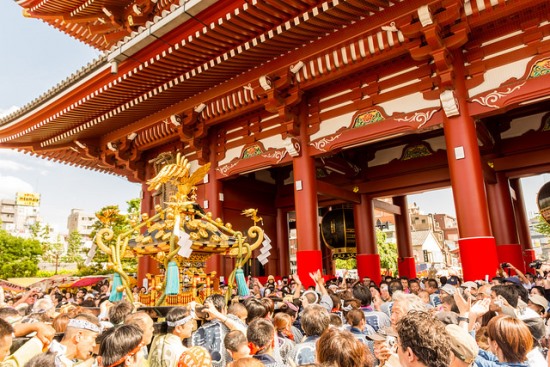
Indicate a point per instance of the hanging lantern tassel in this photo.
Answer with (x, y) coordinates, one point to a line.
(242, 288)
(116, 289)
(172, 278)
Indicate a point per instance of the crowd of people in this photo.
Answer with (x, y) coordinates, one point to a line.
(338, 322)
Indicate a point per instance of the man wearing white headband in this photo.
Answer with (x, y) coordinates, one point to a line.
(167, 349)
(79, 340)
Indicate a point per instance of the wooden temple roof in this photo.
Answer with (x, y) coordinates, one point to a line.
(183, 59)
(102, 23)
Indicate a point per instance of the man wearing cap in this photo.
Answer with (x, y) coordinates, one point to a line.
(79, 341)
(454, 281)
(538, 303)
(463, 345)
(447, 290)
(520, 279)
(471, 288)
(514, 280)
(385, 347)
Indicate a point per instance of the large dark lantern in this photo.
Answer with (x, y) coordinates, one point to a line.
(338, 233)
(543, 201)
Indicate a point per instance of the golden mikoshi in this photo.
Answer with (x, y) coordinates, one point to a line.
(179, 231)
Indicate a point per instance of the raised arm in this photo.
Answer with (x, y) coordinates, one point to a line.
(318, 279)
(298, 287)
(520, 275)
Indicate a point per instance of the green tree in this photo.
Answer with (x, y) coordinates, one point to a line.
(542, 226)
(74, 249)
(35, 229)
(134, 206)
(18, 256)
(346, 264)
(40, 232)
(387, 252)
(52, 252)
(110, 216)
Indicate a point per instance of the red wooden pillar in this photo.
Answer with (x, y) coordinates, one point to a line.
(146, 264)
(522, 222)
(368, 259)
(503, 222)
(308, 257)
(282, 242)
(212, 203)
(477, 246)
(405, 259)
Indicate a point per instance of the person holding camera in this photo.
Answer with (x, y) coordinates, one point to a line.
(519, 275)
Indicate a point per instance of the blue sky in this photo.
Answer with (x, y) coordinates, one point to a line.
(35, 57)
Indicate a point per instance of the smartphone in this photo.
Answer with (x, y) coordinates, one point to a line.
(392, 343)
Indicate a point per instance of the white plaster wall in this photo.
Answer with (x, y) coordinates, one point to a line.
(410, 103)
(495, 77)
(430, 245)
(385, 156)
(272, 142)
(332, 125)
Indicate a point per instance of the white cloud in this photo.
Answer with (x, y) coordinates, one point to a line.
(19, 161)
(9, 185)
(5, 112)
(10, 165)
(10, 153)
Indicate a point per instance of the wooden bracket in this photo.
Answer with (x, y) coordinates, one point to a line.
(441, 35)
(282, 96)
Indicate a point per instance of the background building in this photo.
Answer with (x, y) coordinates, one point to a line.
(20, 213)
(434, 237)
(7, 214)
(81, 222)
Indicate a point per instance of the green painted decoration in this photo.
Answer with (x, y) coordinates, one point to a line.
(541, 68)
(367, 118)
(252, 151)
(415, 151)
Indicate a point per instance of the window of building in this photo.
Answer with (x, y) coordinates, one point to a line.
(428, 256)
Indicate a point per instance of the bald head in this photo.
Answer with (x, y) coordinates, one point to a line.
(144, 322)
